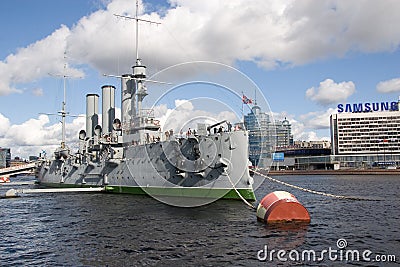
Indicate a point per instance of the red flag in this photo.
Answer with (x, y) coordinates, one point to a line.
(246, 100)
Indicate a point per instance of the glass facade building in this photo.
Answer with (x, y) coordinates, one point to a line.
(265, 135)
(260, 136)
(5, 157)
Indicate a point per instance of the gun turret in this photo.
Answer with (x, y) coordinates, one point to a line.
(215, 125)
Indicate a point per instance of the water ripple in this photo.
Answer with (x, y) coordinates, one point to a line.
(126, 230)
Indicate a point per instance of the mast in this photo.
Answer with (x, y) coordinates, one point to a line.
(139, 70)
(64, 103)
(137, 31)
(63, 113)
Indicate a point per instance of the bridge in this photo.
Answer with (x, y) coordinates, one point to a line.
(24, 168)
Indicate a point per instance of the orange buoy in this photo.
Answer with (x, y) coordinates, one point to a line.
(281, 206)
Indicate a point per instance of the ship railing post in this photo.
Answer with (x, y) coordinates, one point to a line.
(105, 179)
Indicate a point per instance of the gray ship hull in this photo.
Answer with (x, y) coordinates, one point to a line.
(212, 166)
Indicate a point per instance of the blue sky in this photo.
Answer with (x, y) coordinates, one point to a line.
(305, 56)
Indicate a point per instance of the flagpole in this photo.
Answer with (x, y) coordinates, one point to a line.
(242, 107)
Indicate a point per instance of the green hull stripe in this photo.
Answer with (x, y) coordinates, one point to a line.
(248, 194)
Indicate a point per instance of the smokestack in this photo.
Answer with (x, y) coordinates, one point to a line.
(108, 108)
(127, 98)
(92, 113)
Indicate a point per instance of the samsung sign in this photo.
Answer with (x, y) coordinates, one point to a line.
(368, 107)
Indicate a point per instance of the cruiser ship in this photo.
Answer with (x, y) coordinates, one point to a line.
(134, 155)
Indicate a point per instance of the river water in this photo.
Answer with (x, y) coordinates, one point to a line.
(93, 229)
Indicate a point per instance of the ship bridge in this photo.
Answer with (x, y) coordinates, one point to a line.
(146, 121)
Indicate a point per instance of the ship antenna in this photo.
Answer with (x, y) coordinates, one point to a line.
(137, 31)
(137, 19)
(139, 70)
(64, 103)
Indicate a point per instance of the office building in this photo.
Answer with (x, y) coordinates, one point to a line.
(5, 157)
(261, 144)
(283, 133)
(365, 133)
(265, 135)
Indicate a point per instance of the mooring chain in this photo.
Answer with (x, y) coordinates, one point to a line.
(312, 191)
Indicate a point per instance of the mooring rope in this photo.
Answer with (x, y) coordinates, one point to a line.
(240, 195)
(312, 191)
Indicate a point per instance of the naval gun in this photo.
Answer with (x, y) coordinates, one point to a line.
(215, 125)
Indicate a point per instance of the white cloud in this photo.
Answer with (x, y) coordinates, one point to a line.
(318, 119)
(34, 135)
(37, 91)
(301, 135)
(389, 86)
(321, 29)
(183, 105)
(268, 33)
(329, 92)
(36, 61)
(37, 134)
(4, 125)
(185, 115)
(306, 126)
